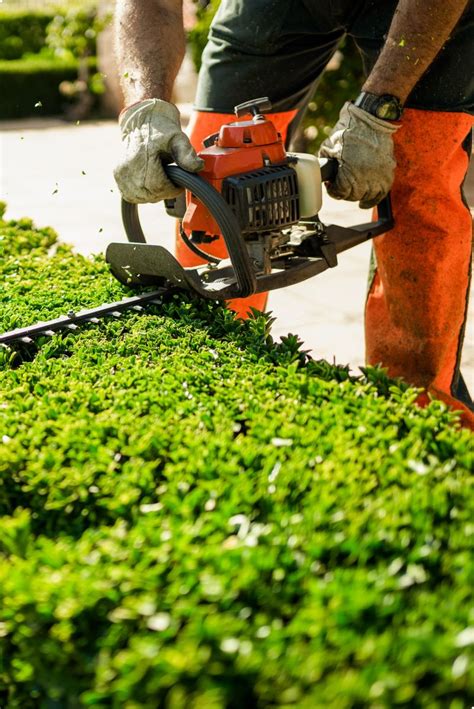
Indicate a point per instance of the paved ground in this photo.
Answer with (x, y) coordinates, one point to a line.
(61, 175)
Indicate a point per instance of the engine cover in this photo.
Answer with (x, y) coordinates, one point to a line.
(264, 199)
(247, 162)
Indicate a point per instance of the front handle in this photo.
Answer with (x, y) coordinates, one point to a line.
(347, 237)
(329, 168)
(222, 213)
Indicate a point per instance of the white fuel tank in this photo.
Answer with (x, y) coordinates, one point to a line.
(309, 183)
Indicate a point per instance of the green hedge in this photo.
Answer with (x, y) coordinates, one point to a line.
(30, 87)
(39, 50)
(196, 516)
(22, 32)
(25, 31)
(197, 36)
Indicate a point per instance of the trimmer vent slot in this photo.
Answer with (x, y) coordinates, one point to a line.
(264, 199)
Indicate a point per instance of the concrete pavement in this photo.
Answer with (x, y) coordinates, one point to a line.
(61, 175)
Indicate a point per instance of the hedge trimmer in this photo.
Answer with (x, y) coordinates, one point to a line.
(264, 203)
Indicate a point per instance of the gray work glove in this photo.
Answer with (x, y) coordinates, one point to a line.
(151, 133)
(363, 145)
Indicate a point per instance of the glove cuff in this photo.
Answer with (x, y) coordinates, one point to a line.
(136, 114)
(376, 123)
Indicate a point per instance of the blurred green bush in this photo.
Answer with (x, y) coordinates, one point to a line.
(31, 86)
(22, 32)
(197, 37)
(47, 61)
(337, 85)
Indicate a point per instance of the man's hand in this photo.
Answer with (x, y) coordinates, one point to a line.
(363, 146)
(150, 43)
(151, 133)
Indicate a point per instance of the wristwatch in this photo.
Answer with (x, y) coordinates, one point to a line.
(387, 107)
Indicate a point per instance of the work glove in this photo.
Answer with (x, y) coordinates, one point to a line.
(363, 146)
(152, 135)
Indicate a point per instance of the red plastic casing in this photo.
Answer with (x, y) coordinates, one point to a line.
(240, 147)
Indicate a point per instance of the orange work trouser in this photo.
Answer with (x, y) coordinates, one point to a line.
(417, 303)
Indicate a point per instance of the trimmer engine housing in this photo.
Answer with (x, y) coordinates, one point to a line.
(261, 201)
(247, 163)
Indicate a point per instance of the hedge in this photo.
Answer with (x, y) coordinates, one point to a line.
(196, 516)
(38, 51)
(22, 32)
(30, 87)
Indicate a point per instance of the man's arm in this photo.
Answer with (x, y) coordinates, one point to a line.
(150, 45)
(418, 31)
(362, 142)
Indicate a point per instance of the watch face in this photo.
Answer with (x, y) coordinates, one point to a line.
(388, 111)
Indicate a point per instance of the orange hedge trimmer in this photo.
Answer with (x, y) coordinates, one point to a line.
(264, 203)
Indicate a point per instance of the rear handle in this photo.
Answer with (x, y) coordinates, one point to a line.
(384, 222)
(329, 168)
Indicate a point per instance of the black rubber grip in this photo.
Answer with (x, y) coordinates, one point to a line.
(329, 168)
(220, 210)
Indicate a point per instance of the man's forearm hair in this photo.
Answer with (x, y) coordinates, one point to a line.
(150, 45)
(418, 32)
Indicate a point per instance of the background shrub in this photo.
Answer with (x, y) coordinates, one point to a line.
(196, 516)
(339, 84)
(31, 86)
(48, 58)
(22, 32)
(72, 28)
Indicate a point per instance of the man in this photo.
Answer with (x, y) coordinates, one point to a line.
(415, 110)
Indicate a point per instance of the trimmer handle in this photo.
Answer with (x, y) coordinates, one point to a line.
(245, 278)
(148, 263)
(329, 168)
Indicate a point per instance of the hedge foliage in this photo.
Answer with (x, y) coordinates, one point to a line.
(39, 52)
(30, 87)
(196, 516)
(335, 87)
(22, 32)
(25, 31)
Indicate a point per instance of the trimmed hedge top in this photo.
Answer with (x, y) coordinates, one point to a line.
(195, 516)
